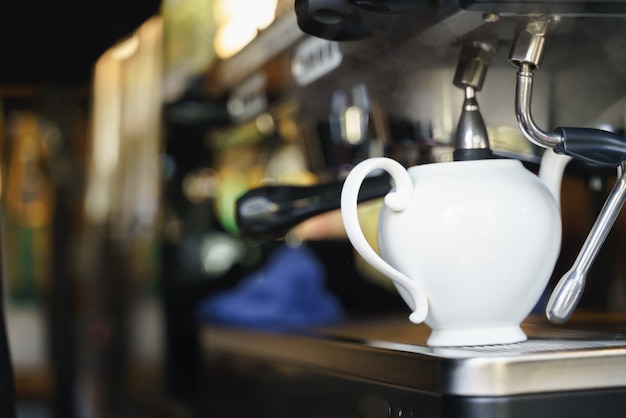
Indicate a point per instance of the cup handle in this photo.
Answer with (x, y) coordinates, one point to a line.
(396, 200)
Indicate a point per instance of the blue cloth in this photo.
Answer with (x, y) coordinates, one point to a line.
(287, 292)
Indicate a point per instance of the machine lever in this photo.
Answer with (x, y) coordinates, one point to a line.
(269, 212)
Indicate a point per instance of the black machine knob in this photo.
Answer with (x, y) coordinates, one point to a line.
(349, 20)
(335, 20)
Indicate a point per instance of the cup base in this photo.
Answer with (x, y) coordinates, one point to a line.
(504, 334)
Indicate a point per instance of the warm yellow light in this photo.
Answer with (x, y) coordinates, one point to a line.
(233, 36)
(353, 116)
(123, 165)
(125, 49)
(262, 11)
(239, 22)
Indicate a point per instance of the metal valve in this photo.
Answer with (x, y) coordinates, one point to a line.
(472, 141)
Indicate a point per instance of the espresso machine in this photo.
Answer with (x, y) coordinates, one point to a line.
(425, 82)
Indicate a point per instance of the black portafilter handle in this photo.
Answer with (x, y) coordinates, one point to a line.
(269, 212)
(594, 146)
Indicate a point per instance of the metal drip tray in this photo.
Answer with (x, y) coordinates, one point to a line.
(588, 354)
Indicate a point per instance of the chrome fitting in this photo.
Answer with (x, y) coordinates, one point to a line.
(529, 42)
(473, 64)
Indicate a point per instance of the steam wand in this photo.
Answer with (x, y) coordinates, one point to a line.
(568, 290)
(591, 145)
(594, 146)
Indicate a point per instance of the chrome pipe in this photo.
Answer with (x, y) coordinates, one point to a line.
(523, 101)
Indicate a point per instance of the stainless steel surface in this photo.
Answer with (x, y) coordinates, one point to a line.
(393, 352)
(569, 289)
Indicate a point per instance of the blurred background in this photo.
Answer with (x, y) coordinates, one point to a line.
(121, 157)
(83, 163)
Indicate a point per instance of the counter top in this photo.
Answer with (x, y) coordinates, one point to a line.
(588, 353)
